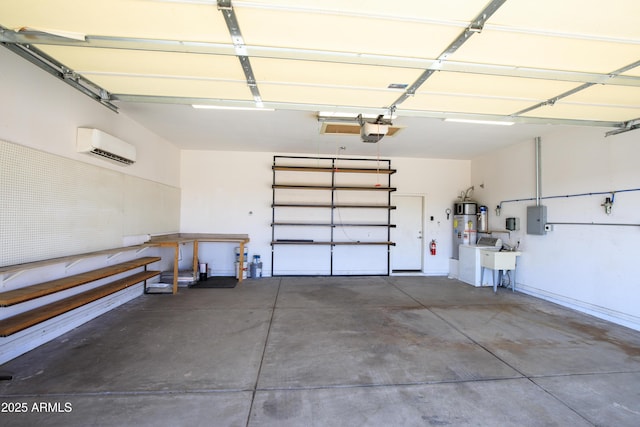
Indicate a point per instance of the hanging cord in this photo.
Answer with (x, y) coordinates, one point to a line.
(342, 228)
(378, 158)
(337, 210)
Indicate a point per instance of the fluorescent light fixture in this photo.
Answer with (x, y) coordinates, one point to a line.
(480, 122)
(327, 115)
(228, 107)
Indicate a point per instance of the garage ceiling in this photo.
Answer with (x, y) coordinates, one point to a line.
(533, 63)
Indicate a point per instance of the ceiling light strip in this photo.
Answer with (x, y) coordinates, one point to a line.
(475, 27)
(64, 73)
(225, 7)
(552, 101)
(295, 54)
(481, 122)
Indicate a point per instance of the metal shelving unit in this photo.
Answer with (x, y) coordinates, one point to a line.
(334, 167)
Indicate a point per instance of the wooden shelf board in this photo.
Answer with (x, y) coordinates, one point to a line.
(314, 205)
(324, 224)
(27, 293)
(337, 170)
(295, 242)
(329, 187)
(365, 206)
(30, 318)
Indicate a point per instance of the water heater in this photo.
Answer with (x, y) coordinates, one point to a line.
(465, 208)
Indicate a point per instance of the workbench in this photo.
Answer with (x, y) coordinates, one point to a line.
(175, 240)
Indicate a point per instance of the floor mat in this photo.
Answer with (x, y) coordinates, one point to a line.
(216, 282)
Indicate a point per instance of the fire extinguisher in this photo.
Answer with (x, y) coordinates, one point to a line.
(432, 246)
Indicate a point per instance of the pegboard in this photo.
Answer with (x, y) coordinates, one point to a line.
(52, 206)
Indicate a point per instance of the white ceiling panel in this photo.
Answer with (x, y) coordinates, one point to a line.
(608, 19)
(122, 18)
(608, 96)
(326, 95)
(546, 52)
(84, 59)
(564, 110)
(495, 86)
(450, 10)
(464, 103)
(341, 33)
(148, 86)
(323, 73)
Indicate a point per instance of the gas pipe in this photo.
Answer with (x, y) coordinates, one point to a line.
(432, 246)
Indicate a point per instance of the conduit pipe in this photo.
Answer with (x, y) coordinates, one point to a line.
(538, 170)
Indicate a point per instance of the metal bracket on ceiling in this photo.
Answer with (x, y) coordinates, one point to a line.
(626, 127)
(552, 101)
(226, 8)
(224, 5)
(475, 27)
(61, 71)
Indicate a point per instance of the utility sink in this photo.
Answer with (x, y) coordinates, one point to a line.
(502, 260)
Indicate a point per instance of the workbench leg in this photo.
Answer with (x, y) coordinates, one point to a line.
(196, 267)
(175, 268)
(241, 263)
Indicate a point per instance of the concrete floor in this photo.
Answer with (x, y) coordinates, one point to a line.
(374, 351)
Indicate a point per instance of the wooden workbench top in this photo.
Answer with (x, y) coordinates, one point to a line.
(202, 237)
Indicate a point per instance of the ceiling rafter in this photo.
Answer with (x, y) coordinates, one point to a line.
(178, 46)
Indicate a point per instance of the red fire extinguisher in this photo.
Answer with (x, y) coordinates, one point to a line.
(432, 246)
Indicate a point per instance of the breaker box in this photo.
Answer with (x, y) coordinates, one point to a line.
(536, 220)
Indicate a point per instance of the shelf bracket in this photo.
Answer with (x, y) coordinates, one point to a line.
(12, 276)
(72, 264)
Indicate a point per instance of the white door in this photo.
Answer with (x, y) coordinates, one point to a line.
(407, 254)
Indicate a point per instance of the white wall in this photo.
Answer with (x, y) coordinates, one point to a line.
(230, 192)
(440, 182)
(42, 112)
(588, 267)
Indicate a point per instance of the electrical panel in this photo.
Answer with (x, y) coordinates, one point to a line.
(536, 220)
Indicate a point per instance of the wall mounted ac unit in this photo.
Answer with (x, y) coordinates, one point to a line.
(99, 143)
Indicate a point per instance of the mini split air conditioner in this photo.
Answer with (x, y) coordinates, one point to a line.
(99, 143)
(373, 132)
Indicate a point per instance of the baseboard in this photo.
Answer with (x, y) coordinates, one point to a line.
(604, 313)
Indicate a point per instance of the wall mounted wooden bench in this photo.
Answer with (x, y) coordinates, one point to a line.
(37, 315)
